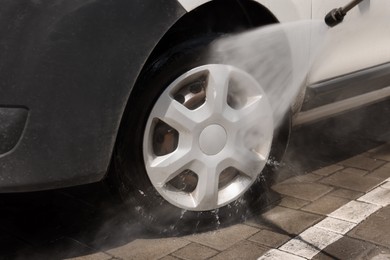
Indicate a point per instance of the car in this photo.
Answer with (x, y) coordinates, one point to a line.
(126, 91)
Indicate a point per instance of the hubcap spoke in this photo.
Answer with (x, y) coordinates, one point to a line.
(217, 89)
(176, 115)
(249, 163)
(206, 192)
(255, 127)
(164, 168)
(252, 112)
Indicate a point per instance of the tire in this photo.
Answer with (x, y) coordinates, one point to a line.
(164, 206)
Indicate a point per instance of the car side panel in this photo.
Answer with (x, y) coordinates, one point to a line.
(71, 65)
(361, 41)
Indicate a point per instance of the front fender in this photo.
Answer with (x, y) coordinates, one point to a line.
(71, 64)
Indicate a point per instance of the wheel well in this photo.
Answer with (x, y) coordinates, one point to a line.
(215, 17)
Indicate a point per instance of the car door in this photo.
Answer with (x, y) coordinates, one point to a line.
(361, 41)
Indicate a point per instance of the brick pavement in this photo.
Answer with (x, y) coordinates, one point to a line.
(306, 200)
(63, 225)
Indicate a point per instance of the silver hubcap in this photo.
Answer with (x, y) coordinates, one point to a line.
(208, 137)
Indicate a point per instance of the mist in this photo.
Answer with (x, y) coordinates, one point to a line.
(277, 56)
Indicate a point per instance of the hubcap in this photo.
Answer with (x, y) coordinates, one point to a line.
(208, 137)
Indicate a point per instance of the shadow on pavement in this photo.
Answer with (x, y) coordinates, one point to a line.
(336, 139)
(86, 219)
(62, 223)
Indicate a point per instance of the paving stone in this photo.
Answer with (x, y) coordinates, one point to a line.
(325, 205)
(290, 221)
(276, 254)
(380, 147)
(382, 152)
(293, 203)
(355, 171)
(381, 173)
(258, 222)
(310, 242)
(346, 194)
(379, 253)
(380, 257)
(63, 248)
(148, 248)
(336, 225)
(224, 238)
(242, 250)
(328, 170)
(304, 191)
(28, 254)
(379, 196)
(168, 257)
(195, 251)
(363, 162)
(269, 238)
(375, 229)
(10, 245)
(354, 211)
(96, 256)
(310, 177)
(346, 248)
(351, 181)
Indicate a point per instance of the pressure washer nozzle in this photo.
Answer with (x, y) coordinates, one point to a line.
(335, 17)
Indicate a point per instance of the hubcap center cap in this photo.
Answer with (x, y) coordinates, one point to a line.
(212, 139)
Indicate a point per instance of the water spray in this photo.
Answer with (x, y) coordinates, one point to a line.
(336, 16)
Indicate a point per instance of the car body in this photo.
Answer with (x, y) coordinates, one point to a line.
(68, 70)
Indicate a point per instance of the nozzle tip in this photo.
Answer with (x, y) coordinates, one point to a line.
(334, 17)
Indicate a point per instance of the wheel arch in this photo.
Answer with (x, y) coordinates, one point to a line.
(210, 18)
(218, 16)
(213, 17)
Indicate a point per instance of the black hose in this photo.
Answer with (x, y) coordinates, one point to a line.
(351, 5)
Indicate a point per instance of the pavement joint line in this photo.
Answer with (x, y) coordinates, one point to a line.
(313, 240)
(386, 185)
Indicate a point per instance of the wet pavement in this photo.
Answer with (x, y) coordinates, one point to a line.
(334, 204)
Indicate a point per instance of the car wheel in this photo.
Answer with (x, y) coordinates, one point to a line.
(195, 141)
